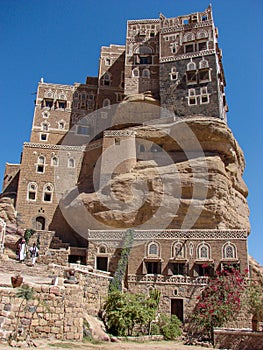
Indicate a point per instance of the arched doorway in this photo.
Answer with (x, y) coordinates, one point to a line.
(40, 223)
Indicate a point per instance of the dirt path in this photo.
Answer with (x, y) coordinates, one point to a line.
(158, 345)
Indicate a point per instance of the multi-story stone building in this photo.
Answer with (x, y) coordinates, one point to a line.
(174, 63)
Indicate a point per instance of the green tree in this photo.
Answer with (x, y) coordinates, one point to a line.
(128, 314)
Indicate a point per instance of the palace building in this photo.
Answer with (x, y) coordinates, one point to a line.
(173, 67)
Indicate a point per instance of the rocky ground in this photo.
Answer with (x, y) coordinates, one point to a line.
(160, 345)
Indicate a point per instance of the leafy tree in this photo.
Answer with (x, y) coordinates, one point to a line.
(169, 326)
(129, 314)
(219, 302)
(116, 282)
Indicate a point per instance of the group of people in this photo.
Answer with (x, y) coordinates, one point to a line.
(22, 251)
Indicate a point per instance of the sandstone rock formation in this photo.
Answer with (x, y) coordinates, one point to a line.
(195, 182)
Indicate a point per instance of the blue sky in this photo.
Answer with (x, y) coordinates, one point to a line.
(60, 40)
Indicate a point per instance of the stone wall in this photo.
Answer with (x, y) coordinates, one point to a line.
(55, 312)
(238, 339)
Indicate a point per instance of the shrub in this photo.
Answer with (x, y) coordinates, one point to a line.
(169, 326)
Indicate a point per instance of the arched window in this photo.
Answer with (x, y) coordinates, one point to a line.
(178, 250)
(191, 249)
(203, 252)
(191, 66)
(106, 79)
(153, 249)
(54, 161)
(135, 73)
(203, 64)
(48, 192)
(41, 164)
(44, 126)
(189, 37)
(32, 191)
(106, 103)
(71, 163)
(146, 73)
(144, 50)
(229, 251)
(202, 34)
(40, 223)
(102, 249)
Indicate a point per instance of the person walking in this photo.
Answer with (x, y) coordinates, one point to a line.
(22, 250)
(34, 253)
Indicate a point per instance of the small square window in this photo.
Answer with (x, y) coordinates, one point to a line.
(192, 100)
(40, 168)
(189, 48)
(48, 103)
(43, 137)
(47, 197)
(61, 104)
(117, 142)
(204, 18)
(32, 196)
(186, 21)
(204, 99)
(202, 46)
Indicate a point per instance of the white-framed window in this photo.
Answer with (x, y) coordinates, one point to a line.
(32, 191)
(71, 163)
(202, 45)
(48, 192)
(189, 37)
(135, 73)
(173, 47)
(107, 61)
(191, 66)
(102, 249)
(153, 249)
(173, 74)
(146, 73)
(188, 48)
(61, 125)
(178, 250)
(45, 114)
(54, 161)
(40, 164)
(204, 96)
(43, 137)
(203, 251)
(192, 98)
(191, 249)
(201, 34)
(106, 103)
(106, 79)
(203, 64)
(229, 251)
(45, 126)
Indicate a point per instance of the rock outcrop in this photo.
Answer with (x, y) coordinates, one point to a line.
(194, 182)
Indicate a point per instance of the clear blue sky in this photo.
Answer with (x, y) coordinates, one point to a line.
(60, 41)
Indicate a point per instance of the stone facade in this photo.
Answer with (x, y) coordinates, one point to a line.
(174, 63)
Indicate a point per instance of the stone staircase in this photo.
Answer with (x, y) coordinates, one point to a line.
(14, 267)
(57, 243)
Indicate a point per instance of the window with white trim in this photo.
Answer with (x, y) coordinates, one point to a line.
(146, 73)
(48, 192)
(204, 96)
(44, 126)
(178, 250)
(135, 73)
(107, 61)
(173, 74)
(43, 137)
(189, 37)
(203, 252)
(71, 163)
(40, 164)
(32, 191)
(192, 98)
(191, 66)
(54, 161)
(153, 249)
(202, 34)
(106, 79)
(106, 103)
(229, 251)
(203, 64)
(202, 45)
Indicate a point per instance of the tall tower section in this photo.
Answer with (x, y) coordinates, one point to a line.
(142, 57)
(191, 73)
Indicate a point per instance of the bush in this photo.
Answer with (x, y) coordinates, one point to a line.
(169, 326)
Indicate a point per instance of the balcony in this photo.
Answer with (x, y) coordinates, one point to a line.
(161, 279)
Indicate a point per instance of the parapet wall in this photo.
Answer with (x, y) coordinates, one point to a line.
(238, 339)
